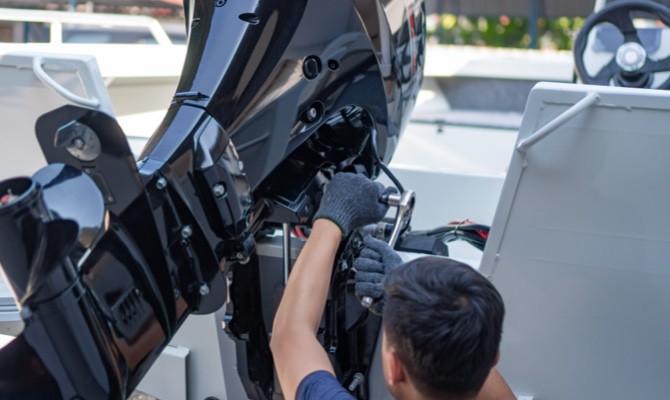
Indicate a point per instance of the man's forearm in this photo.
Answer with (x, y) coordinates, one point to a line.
(305, 296)
(294, 345)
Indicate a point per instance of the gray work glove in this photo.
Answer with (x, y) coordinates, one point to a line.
(352, 201)
(375, 260)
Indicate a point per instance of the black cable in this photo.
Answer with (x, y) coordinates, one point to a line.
(387, 171)
(474, 234)
(392, 177)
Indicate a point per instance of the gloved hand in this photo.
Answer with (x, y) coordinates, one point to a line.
(375, 260)
(352, 201)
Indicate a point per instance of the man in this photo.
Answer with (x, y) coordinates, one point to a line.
(442, 320)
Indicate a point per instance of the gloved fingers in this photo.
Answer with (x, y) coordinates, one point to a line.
(368, 265)
(390, 258)
(388, 191)
(369, 277)
(351, 201)
(370, 254)
(367, 289)
(375, 244)
(383, 205)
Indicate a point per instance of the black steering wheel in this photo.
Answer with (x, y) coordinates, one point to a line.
(631, 66)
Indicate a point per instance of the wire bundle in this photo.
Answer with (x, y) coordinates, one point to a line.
(466, 230)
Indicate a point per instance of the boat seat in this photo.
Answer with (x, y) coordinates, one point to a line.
(579, 245)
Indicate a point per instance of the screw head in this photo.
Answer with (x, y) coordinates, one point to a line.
(204, 289)
(219, 190)
(242, 258)
(186, 231)
(311, 114)
(161, 183)
(79, 143)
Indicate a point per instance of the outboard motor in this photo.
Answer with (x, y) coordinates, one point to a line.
(107, 256)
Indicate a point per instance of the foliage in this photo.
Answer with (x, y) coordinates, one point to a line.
(503, 31)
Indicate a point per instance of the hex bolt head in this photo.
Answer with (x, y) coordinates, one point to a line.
(311, 114)
(242, 258)
(186, 232)
(79, 143)
(161, 183)
(219, 190)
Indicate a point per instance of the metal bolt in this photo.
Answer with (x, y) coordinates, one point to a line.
(161, 183)
(242, 258)
(311, 114)
(240, 165)
(186, 232)
(220, 3)
(311, 67)
(219, 190)
(176, 293)
(204, 289)
(110, 199)
(78, 143)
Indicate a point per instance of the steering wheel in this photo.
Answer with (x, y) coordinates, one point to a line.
(631, 65)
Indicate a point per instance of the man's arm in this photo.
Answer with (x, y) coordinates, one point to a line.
(350, 202)
(294, 346)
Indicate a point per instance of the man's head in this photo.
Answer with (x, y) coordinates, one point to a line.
(443, 323)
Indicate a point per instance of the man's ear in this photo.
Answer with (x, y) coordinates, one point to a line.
(396, 369)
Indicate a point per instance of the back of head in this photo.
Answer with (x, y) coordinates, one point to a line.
(444, 320)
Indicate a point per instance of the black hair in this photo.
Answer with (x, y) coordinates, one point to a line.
(444, 320)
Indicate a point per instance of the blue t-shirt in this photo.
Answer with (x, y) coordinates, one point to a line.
(321, 385)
